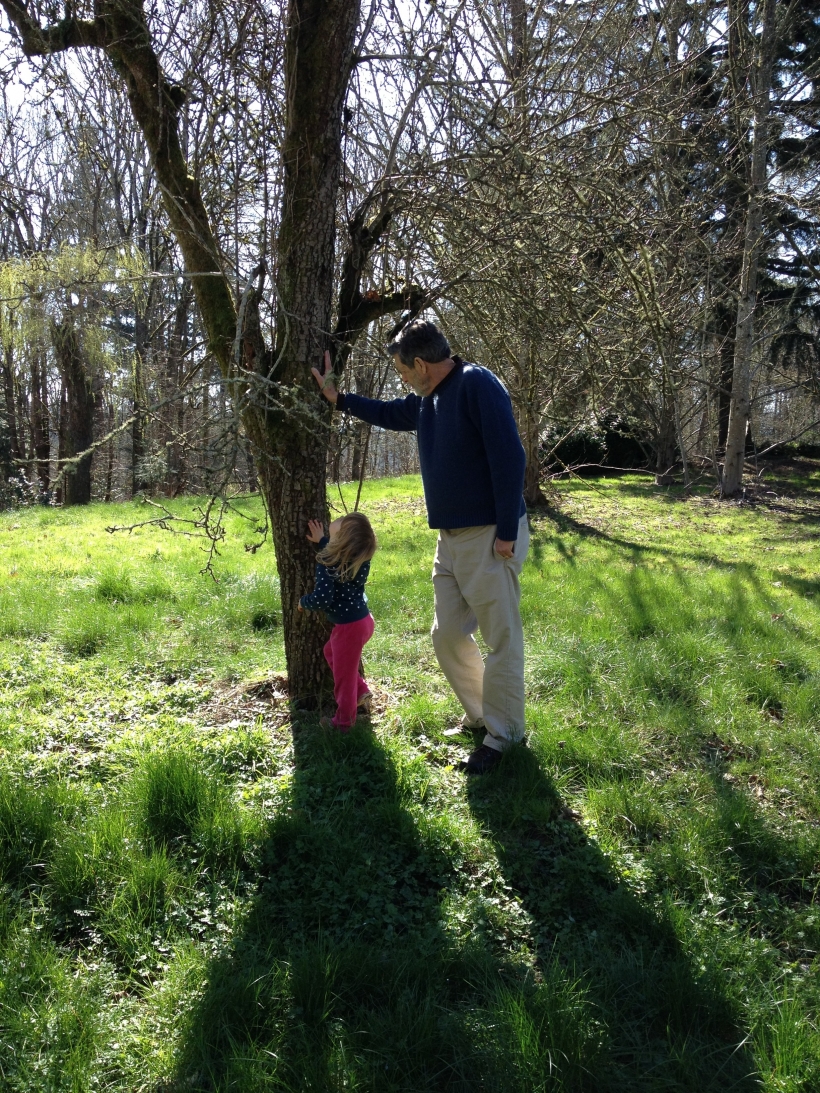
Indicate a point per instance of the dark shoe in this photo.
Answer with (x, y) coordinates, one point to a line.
(482, 760)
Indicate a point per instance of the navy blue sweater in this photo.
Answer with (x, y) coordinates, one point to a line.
(472, 460)
(341, 601)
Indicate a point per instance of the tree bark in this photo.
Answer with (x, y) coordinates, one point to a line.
(40, 439)
(292, 447)
(109, 468)
(139, 430)
(359, 434)
(78, 424)
(175, 413)
(726, 327)
(527, 398)
(62, 427)
(740, 406)
(667, 435)
(7, 365)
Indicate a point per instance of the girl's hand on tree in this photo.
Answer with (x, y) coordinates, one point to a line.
(326, 379)
(316, 531)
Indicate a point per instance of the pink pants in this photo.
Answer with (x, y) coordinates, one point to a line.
(343, 652)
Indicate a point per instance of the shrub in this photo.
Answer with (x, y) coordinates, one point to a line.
(607, 441)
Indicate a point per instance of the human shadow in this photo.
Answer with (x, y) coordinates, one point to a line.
(359, 962)
(670, 1024)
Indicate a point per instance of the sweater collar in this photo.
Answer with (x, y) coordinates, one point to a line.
(458, 365)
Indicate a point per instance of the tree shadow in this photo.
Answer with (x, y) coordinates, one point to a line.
(348, 971)
(742, 612)
(778, 872)
(671, 1026)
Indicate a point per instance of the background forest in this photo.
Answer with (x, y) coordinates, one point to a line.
(571, 188)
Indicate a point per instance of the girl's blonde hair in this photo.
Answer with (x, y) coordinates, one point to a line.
(352, 545)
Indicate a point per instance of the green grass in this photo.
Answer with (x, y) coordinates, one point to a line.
(198, 894)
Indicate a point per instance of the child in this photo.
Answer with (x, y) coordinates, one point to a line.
(342, 566)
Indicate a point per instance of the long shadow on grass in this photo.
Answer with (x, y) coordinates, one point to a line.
(346, 973)
(778, 870)
(669, 1026)
(566, 525)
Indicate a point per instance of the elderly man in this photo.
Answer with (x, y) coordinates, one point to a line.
(472, 468)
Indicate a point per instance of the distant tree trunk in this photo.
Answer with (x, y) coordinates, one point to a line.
(726, 324)
(529, 422)
(533, 494)
(40, 439)
(666, 435)
(7, 365)
(360, 431)
(109, 467)
(139, 434)
(740, 407)
(78, 426)
(204, 460)
(251, 479)
(62, 428)
(175, 370)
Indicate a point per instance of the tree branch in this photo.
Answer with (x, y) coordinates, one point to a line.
(69, 33)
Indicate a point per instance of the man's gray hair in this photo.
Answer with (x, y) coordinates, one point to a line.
(420, 339)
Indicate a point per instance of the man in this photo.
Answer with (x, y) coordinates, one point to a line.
(472, 467)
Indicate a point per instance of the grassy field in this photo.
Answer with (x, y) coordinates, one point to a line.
(199, 894)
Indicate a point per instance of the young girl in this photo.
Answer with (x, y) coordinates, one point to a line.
(342, 567)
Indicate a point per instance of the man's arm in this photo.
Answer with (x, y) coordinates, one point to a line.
(400, 414)
(492, 414)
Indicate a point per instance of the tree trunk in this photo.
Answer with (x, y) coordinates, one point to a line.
(109, 468)
(7, 365)
(139, 431)
(529, 421)
(530, 435)
(667, 435)
(62, 428)
(78, 426)
(359, 437)
(727, 322)
(175, 414)
(318, 53)
(40, 439)
(740, 407)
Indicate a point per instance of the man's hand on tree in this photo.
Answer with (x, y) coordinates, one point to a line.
(316, 529)
(326, 379)
(504, 548)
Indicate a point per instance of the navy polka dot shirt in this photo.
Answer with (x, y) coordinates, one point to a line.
(341, 601)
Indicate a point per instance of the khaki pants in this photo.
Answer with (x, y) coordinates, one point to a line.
(475, 589)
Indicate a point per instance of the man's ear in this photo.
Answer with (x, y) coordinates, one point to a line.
(420, 365)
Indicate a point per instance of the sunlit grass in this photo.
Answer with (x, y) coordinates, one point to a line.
(199, 895)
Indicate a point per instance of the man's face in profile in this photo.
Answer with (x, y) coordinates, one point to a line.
(410, 376)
